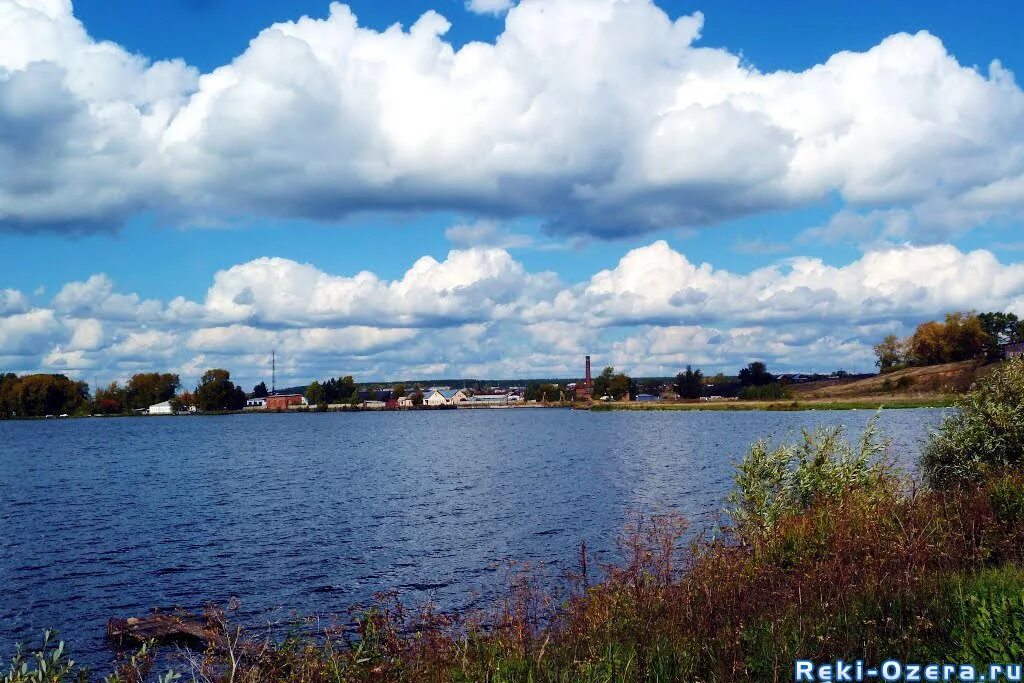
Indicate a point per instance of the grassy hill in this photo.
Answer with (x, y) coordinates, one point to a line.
(932, 380)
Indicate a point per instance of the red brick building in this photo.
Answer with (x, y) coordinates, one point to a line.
(283, 401)
(585, 387)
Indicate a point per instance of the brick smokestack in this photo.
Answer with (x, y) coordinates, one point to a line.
(588, 370)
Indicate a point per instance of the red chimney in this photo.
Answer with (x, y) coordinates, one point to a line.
(588, 370)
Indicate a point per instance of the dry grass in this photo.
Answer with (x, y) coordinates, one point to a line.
(950, 378)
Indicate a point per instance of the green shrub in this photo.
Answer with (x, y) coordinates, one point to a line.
(772, 483)
(986, 434)
(49, 663)
(766, 392)
(1006, 494)
(982, 615)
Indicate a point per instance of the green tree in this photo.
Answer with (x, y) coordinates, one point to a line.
(260, 390)
(148, 388)
(315, 394)
(603, 382)
(39, 395)
(621, 387)
(542, 392)
(237, 400)
(890, 353)
(690, 384)
(1004, 328)
(216, 391)
(756, 374)
(398, 391)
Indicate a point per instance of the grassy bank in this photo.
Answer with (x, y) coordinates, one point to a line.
(825, 552)
(867, 402)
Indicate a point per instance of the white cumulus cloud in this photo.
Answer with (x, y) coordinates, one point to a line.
(489, 6)
(604, 117)
(481, 313)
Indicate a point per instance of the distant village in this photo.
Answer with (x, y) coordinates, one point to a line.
(342, 393)
(55, 396)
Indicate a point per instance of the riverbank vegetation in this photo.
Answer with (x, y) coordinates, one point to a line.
(825, 551)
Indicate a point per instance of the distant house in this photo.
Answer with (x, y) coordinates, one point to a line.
(255, 403)
(444, 397)
(285, 401)
(164, 408)
(1014, 350)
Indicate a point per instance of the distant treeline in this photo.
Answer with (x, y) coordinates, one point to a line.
(961, 336)
(41, 395)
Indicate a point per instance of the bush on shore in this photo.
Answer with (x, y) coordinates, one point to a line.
(985, 434)
(766, 392)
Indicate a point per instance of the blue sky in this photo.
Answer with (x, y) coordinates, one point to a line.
(240, 179)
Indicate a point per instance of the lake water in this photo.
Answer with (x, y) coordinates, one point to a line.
(312, 513)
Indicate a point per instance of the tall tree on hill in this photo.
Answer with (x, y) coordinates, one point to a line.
(1002, 328)
(891, 353)
(961, 337)
(690, 384)
(260, 390)
(755, 375)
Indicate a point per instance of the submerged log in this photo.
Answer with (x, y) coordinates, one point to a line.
(178, 626)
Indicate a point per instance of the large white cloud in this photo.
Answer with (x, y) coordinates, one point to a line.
(598, 116)
(80, 121)
(481, 313)
(470, 285)
(658, 285)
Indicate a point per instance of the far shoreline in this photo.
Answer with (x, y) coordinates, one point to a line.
(724, 405)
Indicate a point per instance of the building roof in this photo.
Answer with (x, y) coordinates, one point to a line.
(448, 393)
(162, 404)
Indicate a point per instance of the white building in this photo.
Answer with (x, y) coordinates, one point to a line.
(164, 408)
(255, 402)
(444, 397)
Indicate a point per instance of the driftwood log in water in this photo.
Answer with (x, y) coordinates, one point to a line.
(163, 627)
